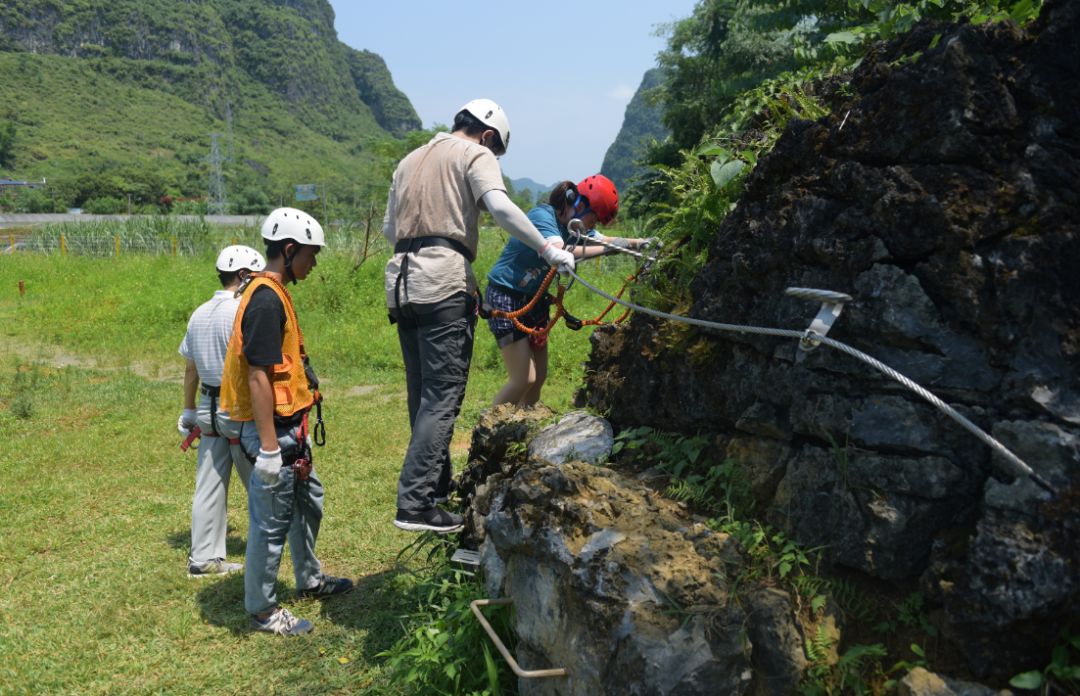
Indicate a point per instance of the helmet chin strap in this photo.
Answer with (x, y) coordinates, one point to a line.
(290, 276)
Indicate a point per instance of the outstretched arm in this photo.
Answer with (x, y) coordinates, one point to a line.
(510, 218)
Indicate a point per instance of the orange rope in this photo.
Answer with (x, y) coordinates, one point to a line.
(560, 308)
(598, 320)
(513, 316)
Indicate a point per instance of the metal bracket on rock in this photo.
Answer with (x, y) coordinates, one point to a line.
(832, 303)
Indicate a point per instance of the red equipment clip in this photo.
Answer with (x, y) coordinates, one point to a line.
(192, 436)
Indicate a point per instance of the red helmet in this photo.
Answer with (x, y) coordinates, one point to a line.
(603, 198)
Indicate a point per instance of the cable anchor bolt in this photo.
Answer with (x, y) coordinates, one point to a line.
(832, 303)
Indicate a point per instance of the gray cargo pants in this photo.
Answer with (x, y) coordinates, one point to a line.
(437, 359)
(213, 469)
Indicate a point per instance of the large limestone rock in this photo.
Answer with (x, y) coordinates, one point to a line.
(942, 194)
(616, 584)
(577, 436)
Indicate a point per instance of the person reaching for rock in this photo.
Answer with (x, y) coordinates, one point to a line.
(519, 272)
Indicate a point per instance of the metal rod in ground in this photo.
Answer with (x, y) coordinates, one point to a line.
(523, 673)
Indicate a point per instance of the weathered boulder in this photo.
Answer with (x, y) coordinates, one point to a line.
(612, 584)
(618, 585)
(942, 194)
(577, 436)
(499, 443)
(776, 635)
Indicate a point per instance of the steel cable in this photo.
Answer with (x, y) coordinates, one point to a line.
(1017, 463)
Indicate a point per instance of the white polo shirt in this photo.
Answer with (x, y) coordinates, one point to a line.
(207, 337)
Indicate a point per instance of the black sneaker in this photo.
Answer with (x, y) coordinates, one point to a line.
(434, 520)
(327, 587)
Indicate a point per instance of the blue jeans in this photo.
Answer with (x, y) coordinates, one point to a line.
(286, 510)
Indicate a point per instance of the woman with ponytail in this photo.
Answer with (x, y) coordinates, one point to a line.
(517, 275)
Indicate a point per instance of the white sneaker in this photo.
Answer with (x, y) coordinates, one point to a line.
(213, 568)
(283, 623)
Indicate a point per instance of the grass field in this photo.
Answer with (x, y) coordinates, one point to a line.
(95, 496)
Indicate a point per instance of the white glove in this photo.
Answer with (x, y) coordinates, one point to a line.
(650, 243)
(561, 259)
(186, 422)
(619, 242)
(268, 466)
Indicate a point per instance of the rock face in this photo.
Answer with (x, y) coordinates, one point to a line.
(944, 197)
(614, 583)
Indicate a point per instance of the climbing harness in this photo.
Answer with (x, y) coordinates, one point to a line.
(572, 322)
(302, 464)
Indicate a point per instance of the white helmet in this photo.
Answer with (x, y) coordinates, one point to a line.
(290, 223)
(491, 115)
(238, 257)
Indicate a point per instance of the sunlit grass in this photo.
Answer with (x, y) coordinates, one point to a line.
(95, 496)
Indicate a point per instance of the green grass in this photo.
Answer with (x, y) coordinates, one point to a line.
(95, 496)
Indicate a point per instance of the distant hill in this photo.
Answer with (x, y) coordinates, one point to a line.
(527, 184)
(130, 91)
(641, 125)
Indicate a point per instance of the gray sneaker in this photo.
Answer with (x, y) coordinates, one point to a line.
(283, 623)
(213, 568)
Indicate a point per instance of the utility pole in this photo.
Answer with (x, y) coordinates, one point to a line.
(215, 204)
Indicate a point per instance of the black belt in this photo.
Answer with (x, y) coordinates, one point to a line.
(451, 309)
(213, 392)
(410, 246)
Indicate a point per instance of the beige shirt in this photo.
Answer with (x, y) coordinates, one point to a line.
(436, 191)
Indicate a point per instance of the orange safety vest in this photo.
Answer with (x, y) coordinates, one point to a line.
(292, 392)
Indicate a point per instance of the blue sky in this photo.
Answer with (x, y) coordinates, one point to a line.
(563, 72)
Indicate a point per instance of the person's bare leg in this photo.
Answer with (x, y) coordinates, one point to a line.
(540, 372)
(517, 357)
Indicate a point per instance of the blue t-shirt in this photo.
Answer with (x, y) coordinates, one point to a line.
(521, 269)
